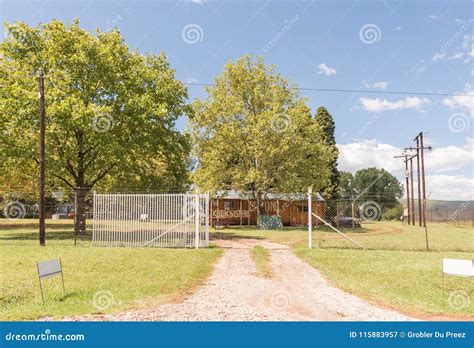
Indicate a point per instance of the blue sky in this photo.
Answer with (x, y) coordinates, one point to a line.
(423, 46)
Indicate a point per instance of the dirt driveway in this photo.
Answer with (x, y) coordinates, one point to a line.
(235, 292)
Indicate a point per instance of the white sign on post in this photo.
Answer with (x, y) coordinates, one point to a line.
(49, 269)
(458, 267)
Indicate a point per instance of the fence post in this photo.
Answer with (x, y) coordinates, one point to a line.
(352, 212)
(310, 218)
(207, 218)
(196, 216)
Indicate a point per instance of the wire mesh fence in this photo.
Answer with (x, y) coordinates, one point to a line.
(70, 214)
(129, 219)
(160, 220)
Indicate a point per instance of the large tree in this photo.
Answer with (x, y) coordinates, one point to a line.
(255, 133)
(328, 127)
(110, 112)
(371, 184)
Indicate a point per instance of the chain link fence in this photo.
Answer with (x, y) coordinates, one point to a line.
(71, 211)
(351, 213)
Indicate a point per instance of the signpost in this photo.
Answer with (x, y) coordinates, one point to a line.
(49, 269)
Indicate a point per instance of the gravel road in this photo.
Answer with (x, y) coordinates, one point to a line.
(234, 292)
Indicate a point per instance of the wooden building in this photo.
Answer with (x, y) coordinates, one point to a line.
(234, 208)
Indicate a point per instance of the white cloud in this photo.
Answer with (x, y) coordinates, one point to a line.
(463, 51)
(450, 187)
(191, 80)
(438, 56)
(371, 153)
(379, 84)
(368, 153)
(445, 159)
(456, 55)
(463, 103)
(326, 70)
(377, 105)
(397, 28)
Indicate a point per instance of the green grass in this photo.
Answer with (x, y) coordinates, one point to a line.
(135, 277)
(261, 257)
(393, 270)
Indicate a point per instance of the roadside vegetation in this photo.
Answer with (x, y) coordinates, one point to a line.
(394, 270)
(97, 280)
(261, 257)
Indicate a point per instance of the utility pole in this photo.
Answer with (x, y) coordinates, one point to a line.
(420, 159)
(408, 189)
(412, 193)
(405, 157)
(42, 201)
(420, 212)
(420, 136)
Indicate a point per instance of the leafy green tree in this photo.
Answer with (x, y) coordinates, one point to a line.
(346, 185)
(377, 185)
(326, 122)
(110, 112)
(254, 133)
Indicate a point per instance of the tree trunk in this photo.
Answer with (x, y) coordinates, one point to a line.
(260, 205)
(80, 211)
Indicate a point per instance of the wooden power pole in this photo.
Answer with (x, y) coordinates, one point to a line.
(412, 193)
(407, 184)
(42, 201)
(420, 211)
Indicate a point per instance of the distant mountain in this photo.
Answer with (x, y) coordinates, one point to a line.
(433, 205)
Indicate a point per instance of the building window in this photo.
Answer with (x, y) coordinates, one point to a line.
(302, 208)
(229, 205)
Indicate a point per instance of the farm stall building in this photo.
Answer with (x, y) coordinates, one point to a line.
(239, 208)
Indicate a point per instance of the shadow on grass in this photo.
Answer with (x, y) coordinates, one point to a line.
(20, 225)
(56, 235)
(231, 236)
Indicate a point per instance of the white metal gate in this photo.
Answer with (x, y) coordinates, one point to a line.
(159, 220)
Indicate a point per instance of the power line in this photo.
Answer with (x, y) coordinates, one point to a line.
(342, 90)
(339, 90)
